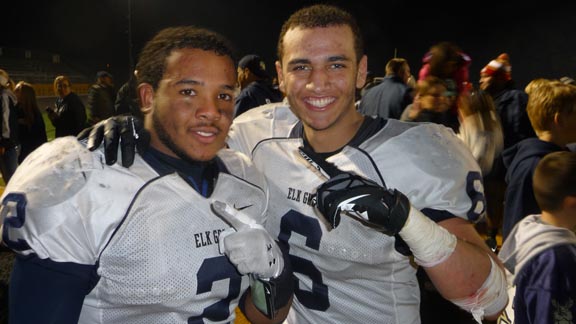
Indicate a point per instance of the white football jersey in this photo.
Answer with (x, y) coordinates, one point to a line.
(153, 237)
(353, 274)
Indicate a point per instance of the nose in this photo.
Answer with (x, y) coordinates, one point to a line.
(318, 80)
(208, 110)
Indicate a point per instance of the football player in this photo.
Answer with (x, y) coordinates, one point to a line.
(160, 242)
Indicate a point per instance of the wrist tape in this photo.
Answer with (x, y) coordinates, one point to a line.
(269, 295)
(490, 298)
(430, 243)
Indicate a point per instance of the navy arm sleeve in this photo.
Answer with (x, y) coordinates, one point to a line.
(44, 291)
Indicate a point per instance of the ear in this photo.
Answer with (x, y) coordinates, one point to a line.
(146, 94)
(570, 202)
(362, 72)
(281, 85)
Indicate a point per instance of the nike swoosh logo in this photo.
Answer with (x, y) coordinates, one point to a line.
(242, 208)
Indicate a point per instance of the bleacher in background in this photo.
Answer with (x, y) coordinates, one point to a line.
(40, 68)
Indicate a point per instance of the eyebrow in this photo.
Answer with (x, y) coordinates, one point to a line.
(194, 82)
(335, 58)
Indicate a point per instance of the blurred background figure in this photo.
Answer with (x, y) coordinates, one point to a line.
(256, 88)
(431, 104)
(496, 79)
(392, 95)
(127, 98)
(568, 80)
(448, 62)
(101, 97)
(9, 142)
(480, 128)
(68, 114)
(31, 127)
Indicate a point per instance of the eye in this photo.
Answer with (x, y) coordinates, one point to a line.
(225, 97)
(188, 92)
(336, 66)
(300, 68)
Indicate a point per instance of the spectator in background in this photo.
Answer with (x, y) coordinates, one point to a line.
(127, 98)
(480, 128)
(431, 104)
(69, 114)
(101, 97)
(540, 252)
(389, 98)
(496, 79)
(448, 62)
(32, 130)
(256, 87)
(552, 112)
(9, 142)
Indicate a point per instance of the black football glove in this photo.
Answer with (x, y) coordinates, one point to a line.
(385, 210)
(127, 131)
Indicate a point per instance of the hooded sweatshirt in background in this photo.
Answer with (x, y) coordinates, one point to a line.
(540, 260)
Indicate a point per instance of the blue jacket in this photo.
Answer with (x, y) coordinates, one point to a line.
(387, 99)
(520, 161)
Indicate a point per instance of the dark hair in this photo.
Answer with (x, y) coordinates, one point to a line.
(396, 66)
(555, 179)
(442, 54)
(322, 16)
(152, 60)
(27, 102)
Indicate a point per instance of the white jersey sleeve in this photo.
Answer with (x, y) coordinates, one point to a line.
(56, 188)
(425, 161)
(267, 121)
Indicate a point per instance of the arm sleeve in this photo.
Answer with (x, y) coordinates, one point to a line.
(44, 291)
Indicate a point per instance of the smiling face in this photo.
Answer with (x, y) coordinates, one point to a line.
(190, 113)
(319, 73)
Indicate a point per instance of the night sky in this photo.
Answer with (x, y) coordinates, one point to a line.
(540, 38)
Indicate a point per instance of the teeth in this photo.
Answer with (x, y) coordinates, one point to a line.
(204, 134)
(320, 103)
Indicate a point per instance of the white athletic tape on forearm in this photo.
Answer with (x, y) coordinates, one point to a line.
(490, 299)
(430, 243)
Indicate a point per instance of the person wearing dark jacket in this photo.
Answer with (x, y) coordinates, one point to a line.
(69, 114)
(9, 140)
(390, 97)
(496, 79)
(256, 87)
(552, 112)
(31, 127)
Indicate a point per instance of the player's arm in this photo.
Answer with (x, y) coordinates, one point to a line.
(44, 291)
(452, 253)
(256, 254)
(471, 272)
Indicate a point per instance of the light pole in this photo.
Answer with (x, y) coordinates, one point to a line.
(130, 46)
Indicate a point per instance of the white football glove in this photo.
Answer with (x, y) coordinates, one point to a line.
(247, 244)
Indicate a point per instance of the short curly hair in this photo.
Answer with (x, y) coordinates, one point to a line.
(152, 60)
(322, 15)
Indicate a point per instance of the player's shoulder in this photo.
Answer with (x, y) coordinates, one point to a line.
(55, 170)
(277, 111)
(259, 123)
(240, 165)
